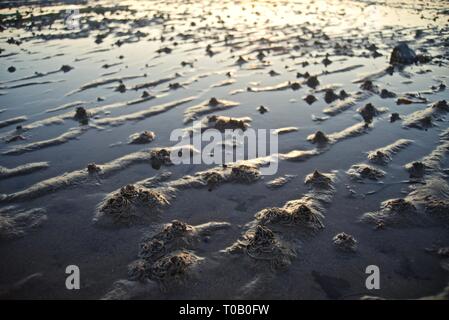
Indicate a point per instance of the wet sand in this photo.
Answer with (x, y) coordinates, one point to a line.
(85, 176)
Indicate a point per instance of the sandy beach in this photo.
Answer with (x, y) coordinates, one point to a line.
(354, 93)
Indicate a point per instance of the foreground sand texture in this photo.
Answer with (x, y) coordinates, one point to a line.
(354, 91)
